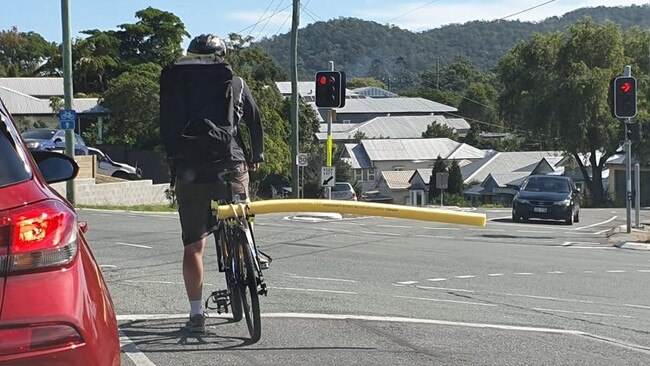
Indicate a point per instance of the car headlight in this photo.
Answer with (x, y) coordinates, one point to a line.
(565, 202)
(32, 144)
(522, 200)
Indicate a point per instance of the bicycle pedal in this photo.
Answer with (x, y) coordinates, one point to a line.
(220, 298)
(263, 290)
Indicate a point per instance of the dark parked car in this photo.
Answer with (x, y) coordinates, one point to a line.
(547, 197)
(55, 308)
(52, 139)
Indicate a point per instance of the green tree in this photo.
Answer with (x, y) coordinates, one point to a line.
(133, 99)
(365, 81)
(22, 54)
(455, 183)
(440, 166)
(436, 130)
(480, 104)
(96, 60)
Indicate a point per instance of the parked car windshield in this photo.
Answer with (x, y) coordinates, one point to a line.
(543, 184)
(12, 169)
(341, 187)
(39, 134)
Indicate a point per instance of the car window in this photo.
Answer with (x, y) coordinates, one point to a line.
(39, 134)
(340, 187)
(542, 184)
(12, 168)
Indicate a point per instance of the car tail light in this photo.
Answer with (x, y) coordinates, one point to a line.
(37, 236)
(38, 337)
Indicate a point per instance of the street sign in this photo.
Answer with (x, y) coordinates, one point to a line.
(302, 159)
(327, 176)
(442, 180)
(67, 119)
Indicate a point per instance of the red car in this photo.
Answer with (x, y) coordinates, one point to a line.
(55, 308)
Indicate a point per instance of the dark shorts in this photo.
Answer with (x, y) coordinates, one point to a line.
(194, 202)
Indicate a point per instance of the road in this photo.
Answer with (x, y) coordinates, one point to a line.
(391, 292)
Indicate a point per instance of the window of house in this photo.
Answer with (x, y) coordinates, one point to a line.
(358, 175)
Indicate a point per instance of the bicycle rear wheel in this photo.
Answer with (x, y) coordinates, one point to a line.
(249, 296)
(234, 295)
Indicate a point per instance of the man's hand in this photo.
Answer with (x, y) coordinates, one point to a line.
(253, 167)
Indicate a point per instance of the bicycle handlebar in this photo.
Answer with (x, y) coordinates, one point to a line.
(351, 207)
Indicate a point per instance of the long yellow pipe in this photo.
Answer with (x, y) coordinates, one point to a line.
(353, 207)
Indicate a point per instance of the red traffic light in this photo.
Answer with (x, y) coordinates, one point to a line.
(626, 87)
(322, 80)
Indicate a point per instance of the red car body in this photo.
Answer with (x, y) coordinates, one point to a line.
(55, 308)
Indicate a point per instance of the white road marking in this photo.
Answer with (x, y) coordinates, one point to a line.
(644, 270)
(597, 224)
(589, 272)
(336, 230)
(407, 282)
(569, 243)
(500, 218)
(602, 231)
(532, 231)
(442, 300)
(616, 271)
(346, 223)
(555, 272)
(495, 274)
(379, 233)
(396, 226)
(433, 236)
(322, 278)
(131, 351)
(550, 298)
(584, 313)
(107, 266)
(314, 290)
(465, 276)
(134, 245)
(523, 273)
(437, 279)
(637, 306)
(444, 289)
(160, 282)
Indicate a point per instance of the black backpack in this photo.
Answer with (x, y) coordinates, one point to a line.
(200, 107)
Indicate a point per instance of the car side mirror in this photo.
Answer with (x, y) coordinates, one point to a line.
(55, 167)
(577, 190)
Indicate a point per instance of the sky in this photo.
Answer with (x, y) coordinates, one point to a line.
(265, 18)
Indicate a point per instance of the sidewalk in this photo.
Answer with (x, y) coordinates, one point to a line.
(638, 239)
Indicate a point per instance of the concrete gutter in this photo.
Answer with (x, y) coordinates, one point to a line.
(638, 239)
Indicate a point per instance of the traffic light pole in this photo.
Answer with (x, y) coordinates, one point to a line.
(637, 196)
(628, 166)
(329, 117)
(294, 100)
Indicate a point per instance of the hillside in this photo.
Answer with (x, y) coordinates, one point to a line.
(360, 47)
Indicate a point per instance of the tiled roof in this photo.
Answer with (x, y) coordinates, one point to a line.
(397, 179)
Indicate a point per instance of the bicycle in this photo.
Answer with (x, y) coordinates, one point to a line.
(238, 258)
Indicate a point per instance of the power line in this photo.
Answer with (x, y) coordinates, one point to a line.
(261, 16)
(267, 18)
(529, 9)
(412, 11)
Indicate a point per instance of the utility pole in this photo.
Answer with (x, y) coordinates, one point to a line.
(67, 89)
(628, 167)
(295, 187)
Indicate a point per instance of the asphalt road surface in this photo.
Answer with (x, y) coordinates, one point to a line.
(377, 291)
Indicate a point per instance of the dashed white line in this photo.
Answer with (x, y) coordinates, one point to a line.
(495, 274)
(134, 245)
(107, 266)
(555, 272)
(437, 279)
(644, 270)
(465, 276)
(433, 236)
(584, 313)
(396, 226)
(602, 231)
(445, 289)
(596, 224)
(336, 230)
(323, 279)
(523, 273)
(616, 271)
(441, 300)
(637, 306)
(407, 282)
(131, 351)
(314, 290)
(588, 272)
(549, 298)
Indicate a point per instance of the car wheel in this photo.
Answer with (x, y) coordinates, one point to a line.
(569, 220)
(576, 217)
(515, 216)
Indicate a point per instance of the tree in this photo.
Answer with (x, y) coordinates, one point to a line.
(440, 166)
(96, 60)
(480, 104)
(22, 54)
(364, 82)
(556, 89)
(133, 99)
(455, 183)
(436, 130)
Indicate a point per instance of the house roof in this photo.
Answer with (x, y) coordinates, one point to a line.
(356, 156)
(305, 88)
(419, 149)
(397, 179)
(504, 163)
(393, 105)
(23, 104)
(394, 127)
(374, 92)
(37, 87)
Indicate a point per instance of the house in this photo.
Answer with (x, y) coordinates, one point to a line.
(364, 109)
(29, 100)
(395, 184)
(393, 127)
(374, 92)
(496, 178)
(617, 183)
(369, 158)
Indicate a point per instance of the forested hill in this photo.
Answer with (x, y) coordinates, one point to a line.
(363, 47)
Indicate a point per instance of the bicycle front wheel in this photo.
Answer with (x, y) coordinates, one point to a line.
(230, 269)
(249, 296)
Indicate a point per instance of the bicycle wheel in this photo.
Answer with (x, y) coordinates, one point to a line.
(248, 286)
(231, 271)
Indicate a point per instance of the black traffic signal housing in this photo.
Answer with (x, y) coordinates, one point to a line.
(624, 97)
(634, 131)
(330, 89)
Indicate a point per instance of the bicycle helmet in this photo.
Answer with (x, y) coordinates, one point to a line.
(207, 44)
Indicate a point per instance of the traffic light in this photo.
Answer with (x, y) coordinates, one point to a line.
(624, 97)
(634, 131)
(330, 89)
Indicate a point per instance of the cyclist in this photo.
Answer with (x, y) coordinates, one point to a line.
(207, 147)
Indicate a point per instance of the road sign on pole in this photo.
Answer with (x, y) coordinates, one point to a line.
(67, 119)
(327, 176)
(302, 159)
(442, 181)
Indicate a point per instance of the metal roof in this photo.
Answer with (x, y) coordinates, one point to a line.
(393, 105)
(374, 92)
(394, 127)
(305, 88)
(505, 163)
(397, 179)
(38, 87)
(419, 149)
(21, 104)
(356, 156)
